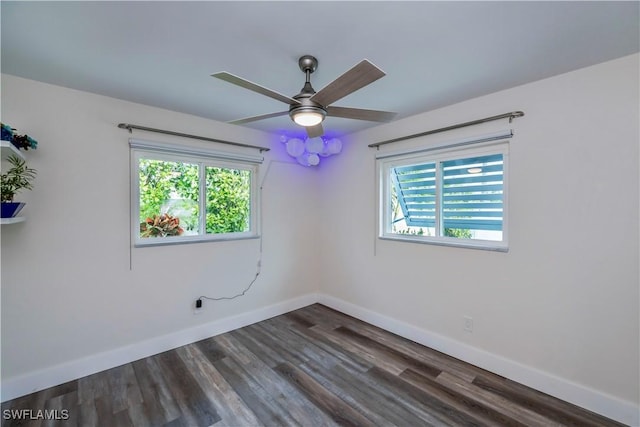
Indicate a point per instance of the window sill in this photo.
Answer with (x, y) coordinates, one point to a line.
(155, 241)
(467, 244)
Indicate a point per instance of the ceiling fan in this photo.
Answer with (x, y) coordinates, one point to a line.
(309, 108)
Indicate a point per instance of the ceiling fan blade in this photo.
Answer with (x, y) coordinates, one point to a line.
(357, 77)
(313, 131)
(256, 118)
(361, 114)
(239, 81)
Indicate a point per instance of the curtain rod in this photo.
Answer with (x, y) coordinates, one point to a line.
(130, 128)
(512, 115)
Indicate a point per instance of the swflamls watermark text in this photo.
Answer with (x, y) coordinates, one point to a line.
(40, 414)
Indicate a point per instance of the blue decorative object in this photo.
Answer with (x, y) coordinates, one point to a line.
(6, 133)
(21, 142)
(10, 209)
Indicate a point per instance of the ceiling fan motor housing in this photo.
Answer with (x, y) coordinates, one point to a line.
(306, 106)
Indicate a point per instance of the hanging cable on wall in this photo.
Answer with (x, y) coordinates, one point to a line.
(200, 299)
(258, 266)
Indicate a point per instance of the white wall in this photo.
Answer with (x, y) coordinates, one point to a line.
(564, 300)
(68, 291)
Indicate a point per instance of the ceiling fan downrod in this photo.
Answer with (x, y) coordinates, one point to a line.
(308, 64)
(308, 112)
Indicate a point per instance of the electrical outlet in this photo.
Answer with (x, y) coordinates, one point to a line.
(197, 307)
(468, 323)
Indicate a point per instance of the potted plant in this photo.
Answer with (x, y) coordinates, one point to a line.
(18, 177)
(161, 226)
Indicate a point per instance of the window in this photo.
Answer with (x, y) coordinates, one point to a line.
(450, 197)
(183, 195)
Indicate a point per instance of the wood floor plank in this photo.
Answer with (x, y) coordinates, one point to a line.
(390, 365)
(298, 342)
(429, 408)
(124, 390)
(87, 414)
(142, 415)
(230, 407)
(268, 411)
(251, 341)
(362, 393)
(234, 349)
(561, 412)
(92, 387)
(299, 320)
(104, 411)
(312, 314)
(281, 345)
(311, 367)
(300, 408)
(508, 408)
(410, 348)
(341, 413)
(383, 352)
(327, 316)
(122, 419)
(462, 403)
(339, 352)
(211, 349)
(350, 396)
(196, 409)
(156, 394)
(419, 352)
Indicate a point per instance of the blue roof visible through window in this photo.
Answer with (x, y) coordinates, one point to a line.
(415, 188)
(471, 193)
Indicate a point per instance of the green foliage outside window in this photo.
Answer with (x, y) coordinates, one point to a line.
(228, 200)
(168, 187)
(460, 233)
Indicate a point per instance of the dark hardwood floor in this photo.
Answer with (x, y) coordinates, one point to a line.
(310, 367)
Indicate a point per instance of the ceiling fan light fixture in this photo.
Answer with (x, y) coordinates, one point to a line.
(309, 108)
(308, 116)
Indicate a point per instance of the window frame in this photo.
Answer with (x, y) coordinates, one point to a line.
(436, 155)
(203, 158)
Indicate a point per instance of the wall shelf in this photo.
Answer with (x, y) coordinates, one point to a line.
(14, 220)
(7, 148)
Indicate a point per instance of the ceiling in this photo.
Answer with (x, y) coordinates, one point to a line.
(434, 53)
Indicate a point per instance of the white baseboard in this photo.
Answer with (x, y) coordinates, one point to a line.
(74, 369)
(585, 397)
(593, 400)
